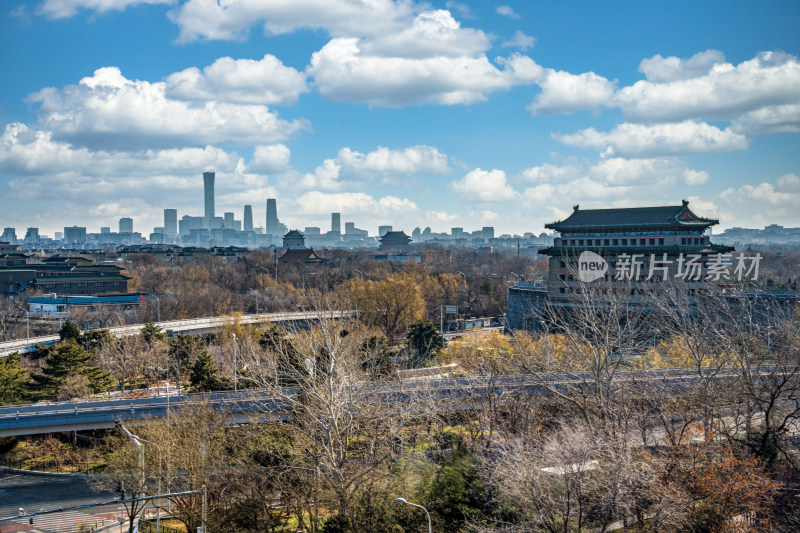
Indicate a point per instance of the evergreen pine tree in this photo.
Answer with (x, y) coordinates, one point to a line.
(205, 375)
(68, 358)
(14, 380)
(150, 331)
(424, 339)
(69, 330)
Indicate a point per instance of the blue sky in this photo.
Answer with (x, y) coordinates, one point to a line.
(411, 114)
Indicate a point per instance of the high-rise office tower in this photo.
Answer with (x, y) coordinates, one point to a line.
(126, 225)
(383, 230)
(9, 235)
(336, 222)
(171, 221)
(32, 236)
(349, 227)
(227, 220)
(75, 234)
(208, 189)
(248, 218)
(272, 216)
(105, 230)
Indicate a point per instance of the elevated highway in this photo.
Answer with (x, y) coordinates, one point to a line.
(434, 394)
(195, 326)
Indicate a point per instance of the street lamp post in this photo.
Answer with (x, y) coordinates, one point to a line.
(27, 326)
(158, 303)
(160, 475)
(137, 440)
(427, 514)
(235, 380)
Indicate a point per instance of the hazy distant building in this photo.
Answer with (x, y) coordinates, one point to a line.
(296, 250)
(227, 221)
(349, 227)
(383, 230)
(105, 230)
(171, 221)
(208, 190)
(75, 234)
(9, 235)
(294, 240)
(395, 240)
(126, 225)
(248, 218)
(488, 232)
(58, 235)
(272, 216)
(312, 231)
(336, 223)
(32, 236)
(189, 223)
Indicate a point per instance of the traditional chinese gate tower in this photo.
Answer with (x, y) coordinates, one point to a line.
(641, 246)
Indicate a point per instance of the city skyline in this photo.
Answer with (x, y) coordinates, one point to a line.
(444, 114)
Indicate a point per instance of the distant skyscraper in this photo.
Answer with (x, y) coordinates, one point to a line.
(227, 220)
(171, 221)
(32, 236)
(9, 235)
(126, 225)
(75, 234)
(208, 189)
(248, 218)
(105, 230)
(272, 217)
(488, 232)
(383, 230)
(349, 227)
(336, 222)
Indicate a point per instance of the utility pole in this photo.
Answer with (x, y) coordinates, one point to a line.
(235, 381)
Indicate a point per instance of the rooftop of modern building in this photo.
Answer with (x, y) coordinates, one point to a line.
(671, 216)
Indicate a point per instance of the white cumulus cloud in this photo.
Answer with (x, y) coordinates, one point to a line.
(59, 9)
(248, 81)
(270, 158)
(769, 120)
(342, 72)
(232, 19)
(521, 41)
(549, 172)
(430, 34)
(764, 203)
(480, 185)
(107, 110)
(665, 171)
(725, 92)
(641, 140)
(507, 11)
(666, 69)
(350, 168)
(563, 92)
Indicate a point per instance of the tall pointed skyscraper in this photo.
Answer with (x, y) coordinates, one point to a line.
(208, 188)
